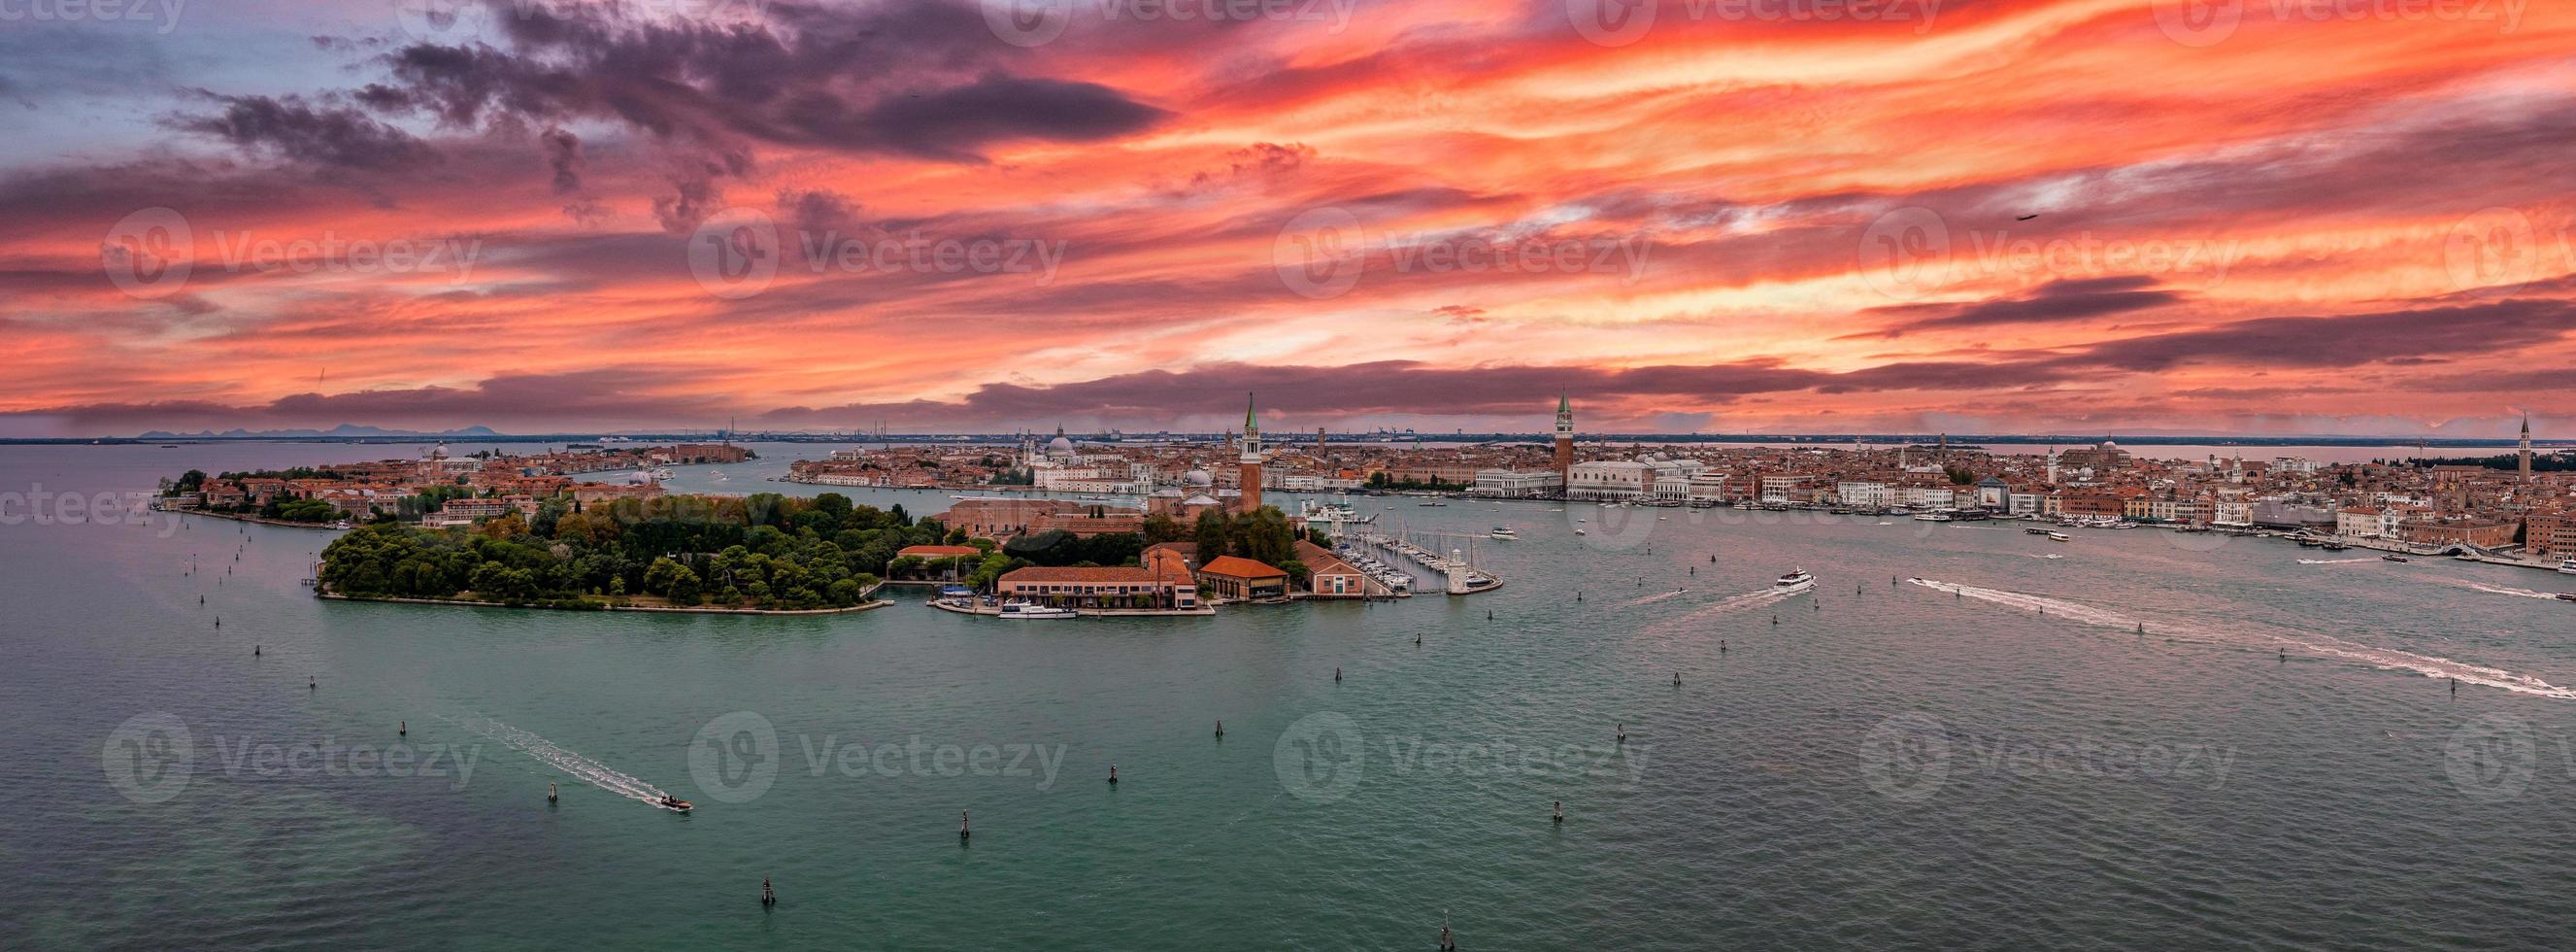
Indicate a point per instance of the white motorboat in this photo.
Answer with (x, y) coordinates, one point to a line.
(2567, 567)
(1024, 610)
(1505, 533)
(1797, 578)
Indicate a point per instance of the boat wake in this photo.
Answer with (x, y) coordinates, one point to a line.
(1740, 603)
(2334, 561)
(2497, 589)
(1650, 599)
(581, 768)
(2386, 659)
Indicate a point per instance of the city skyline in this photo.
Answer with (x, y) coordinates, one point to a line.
(1971, 219)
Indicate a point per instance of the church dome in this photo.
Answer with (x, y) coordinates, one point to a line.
(1198, 477)
(1060, 446)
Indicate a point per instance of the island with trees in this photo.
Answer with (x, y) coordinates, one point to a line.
(758, 553)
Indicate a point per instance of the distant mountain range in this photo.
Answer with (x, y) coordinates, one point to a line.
(343, 430)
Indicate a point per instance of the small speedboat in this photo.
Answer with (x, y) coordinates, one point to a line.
(674, 804)
(2567, 596)
(2059, 537)
(1795, 578)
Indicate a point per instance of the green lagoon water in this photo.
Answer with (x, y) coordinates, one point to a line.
(1999, 762)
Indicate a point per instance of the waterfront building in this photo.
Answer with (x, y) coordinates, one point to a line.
(1517, 484)
(1234, 578)
(1112, 587)
(1608, 480)
(2551, 534)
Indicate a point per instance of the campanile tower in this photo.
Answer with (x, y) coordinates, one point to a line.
(1564, 442)
(1250, 499)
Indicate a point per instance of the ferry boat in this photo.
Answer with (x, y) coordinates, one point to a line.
(2036, 531)
(1933, 517)
(1505, 533)
(1026, 611)
(1313, 511)
(1795, 579)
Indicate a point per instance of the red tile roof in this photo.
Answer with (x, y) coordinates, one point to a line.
(1235, 566)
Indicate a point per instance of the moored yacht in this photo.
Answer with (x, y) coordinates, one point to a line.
(1025, 611)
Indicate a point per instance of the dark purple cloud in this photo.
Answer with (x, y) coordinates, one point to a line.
(329, 136)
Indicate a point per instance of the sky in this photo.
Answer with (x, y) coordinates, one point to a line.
(2275, 217)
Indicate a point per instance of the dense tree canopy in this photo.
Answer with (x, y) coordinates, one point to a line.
(761, 551)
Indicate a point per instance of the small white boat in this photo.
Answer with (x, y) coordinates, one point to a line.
(1797, 578)
(1505, 533)
(2567, 567)
(2059, 537)
(1025, 611)
(1579, 531)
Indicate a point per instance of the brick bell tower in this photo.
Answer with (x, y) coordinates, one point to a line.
(1250, 496)
(1564, 442)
